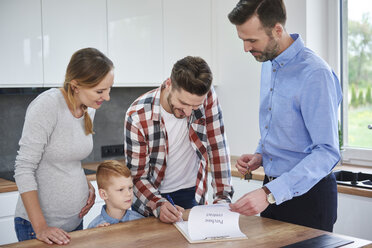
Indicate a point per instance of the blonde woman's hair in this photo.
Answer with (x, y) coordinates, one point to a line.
(88, 67)
(108, 169)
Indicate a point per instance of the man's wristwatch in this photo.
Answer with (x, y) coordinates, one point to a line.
(269, 196)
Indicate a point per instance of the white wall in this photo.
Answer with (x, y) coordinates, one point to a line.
(315, 28)
(322, 28)
(296, 17)
(238, 74)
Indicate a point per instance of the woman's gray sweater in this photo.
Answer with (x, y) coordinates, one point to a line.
(52, 145)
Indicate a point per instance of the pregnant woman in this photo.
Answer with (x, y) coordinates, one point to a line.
(57, 135)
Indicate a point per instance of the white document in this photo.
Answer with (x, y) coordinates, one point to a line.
(211, 223)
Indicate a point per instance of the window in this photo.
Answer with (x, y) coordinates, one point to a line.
(356, 44)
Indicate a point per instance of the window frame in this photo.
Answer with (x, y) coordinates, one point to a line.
(350, 155)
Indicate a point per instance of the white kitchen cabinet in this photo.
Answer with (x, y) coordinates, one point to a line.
(146, 37)
(135, 41)
(354, 216)
(187, 31)
(241, 187)
(143, 38)
(68, 26)
(20, 46)
(8, 202)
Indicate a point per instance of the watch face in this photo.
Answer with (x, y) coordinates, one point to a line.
(270, 198)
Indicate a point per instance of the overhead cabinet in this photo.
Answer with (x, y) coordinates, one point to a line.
(144, 38)
(187, 31)
(135, 44)
(20, 43)
(147, 37)
(68, 26)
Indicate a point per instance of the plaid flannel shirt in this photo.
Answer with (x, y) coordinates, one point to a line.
(146, 150)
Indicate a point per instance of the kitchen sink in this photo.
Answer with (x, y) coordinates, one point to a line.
(9, 175)
(354, 179)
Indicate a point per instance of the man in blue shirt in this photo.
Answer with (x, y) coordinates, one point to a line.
(299, 99)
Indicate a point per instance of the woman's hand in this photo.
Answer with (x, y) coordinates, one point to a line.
(52, 235)
(90, 201)
(43, 232)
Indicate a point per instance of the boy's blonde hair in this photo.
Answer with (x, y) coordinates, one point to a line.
(108, 169)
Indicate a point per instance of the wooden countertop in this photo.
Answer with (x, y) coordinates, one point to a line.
(150, 232)
(259, 174)
(9, 186)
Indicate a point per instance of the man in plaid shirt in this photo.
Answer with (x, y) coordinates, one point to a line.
(170, 135)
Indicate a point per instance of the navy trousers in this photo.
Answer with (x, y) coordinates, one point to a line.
(184, 197)
(317, 208)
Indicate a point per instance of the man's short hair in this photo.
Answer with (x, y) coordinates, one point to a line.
(108, 169)
(193, 75)
(269, 12)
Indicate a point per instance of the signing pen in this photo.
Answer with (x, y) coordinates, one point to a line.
(169, 198)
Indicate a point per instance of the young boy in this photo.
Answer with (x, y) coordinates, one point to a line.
(115, 186)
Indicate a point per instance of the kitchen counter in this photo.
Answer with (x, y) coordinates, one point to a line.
(9, 186)
(150, 232)
(259, 174)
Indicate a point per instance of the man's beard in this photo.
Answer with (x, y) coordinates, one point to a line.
(173, 109)
(269, 53)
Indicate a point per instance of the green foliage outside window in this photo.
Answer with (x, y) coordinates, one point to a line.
(360, 82)
(354, 100)
(340, 136)
(368, 95)
(360, 98)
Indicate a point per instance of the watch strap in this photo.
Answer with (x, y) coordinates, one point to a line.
(267, 191)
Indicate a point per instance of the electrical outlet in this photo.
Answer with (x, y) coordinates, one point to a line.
(112, 151)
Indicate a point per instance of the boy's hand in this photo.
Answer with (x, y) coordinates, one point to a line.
(103, 224)
(170, 213)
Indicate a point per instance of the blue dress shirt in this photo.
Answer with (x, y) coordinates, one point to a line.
(104, 217)
(299, 99)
